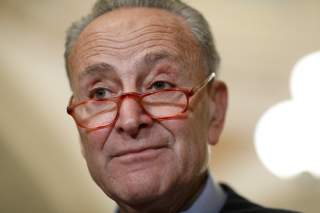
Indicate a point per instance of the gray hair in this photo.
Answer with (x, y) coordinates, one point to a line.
(197, 23)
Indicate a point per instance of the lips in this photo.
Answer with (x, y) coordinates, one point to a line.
(136, 150)
(139, 154)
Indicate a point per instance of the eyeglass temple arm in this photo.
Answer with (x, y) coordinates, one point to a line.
(69, 110)
(204, 83)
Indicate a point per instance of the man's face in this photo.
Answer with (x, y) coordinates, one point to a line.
(139, 159)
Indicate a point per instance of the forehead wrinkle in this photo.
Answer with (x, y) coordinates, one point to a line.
(159, 30)
(127, 54)
(168, 26)
(107, 50)
(101, 47)
(111, 36)
(121, 44)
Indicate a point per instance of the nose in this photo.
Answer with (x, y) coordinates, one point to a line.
(132, 118)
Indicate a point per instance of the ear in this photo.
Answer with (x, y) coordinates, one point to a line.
(218, 103)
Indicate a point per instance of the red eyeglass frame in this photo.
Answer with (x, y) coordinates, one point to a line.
(138, 96)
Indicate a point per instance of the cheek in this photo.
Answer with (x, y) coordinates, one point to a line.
(189, 145)
(92, 144)
(94, 140)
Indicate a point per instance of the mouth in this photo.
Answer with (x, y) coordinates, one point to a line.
(139, 155)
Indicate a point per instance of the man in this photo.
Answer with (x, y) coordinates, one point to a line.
(147, 106)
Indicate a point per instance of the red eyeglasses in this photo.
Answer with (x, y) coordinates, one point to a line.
(160, 105)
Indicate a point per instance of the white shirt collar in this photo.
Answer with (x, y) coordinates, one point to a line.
(210, 200)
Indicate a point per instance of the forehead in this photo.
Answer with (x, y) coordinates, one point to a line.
(126, 34)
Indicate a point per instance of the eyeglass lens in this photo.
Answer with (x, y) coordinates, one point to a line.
(97, 113)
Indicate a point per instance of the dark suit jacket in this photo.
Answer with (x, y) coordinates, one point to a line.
(237, 204)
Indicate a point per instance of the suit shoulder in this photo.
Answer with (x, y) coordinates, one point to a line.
(238, 204)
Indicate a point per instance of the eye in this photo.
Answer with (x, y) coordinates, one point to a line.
(160, 85)
(99, 93)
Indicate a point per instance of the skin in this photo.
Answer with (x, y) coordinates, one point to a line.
(127, 50)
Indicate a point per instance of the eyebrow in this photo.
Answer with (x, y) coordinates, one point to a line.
(151, 59)
(100, 68)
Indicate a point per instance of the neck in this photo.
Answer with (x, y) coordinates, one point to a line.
(178, 199)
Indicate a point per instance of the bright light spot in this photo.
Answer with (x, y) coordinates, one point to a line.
(305, 79)
(287, 136)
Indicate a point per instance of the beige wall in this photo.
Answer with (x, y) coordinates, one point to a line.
(41, 166)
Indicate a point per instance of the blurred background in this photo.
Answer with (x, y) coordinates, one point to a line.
(42, 169)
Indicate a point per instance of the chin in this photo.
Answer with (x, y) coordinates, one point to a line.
(141, 187)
